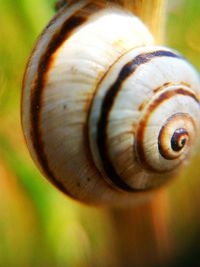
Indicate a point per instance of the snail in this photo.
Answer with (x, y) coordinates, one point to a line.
(107, 114)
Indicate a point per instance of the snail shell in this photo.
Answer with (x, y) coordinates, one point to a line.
(105, 112)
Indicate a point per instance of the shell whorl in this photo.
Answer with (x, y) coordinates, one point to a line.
(93, 98)
(156, 109)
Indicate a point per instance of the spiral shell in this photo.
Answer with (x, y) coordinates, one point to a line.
(105, 112)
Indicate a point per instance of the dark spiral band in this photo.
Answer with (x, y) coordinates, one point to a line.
(61, 35)
(106, 108)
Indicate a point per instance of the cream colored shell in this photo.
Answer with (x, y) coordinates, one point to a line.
(69, 122)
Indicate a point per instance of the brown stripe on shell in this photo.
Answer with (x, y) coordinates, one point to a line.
(62, 34)
(143, 123)
(106, 108)
(160, 88)
(88, 110)
(31, 57)
(146, 101)
(170, 84)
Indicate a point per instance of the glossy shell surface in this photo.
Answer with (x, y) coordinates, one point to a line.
(97, 101)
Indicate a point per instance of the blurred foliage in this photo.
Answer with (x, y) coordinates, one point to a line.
(183, 31)
(39, 226)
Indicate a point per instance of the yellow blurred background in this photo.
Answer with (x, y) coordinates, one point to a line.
(41, 227)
